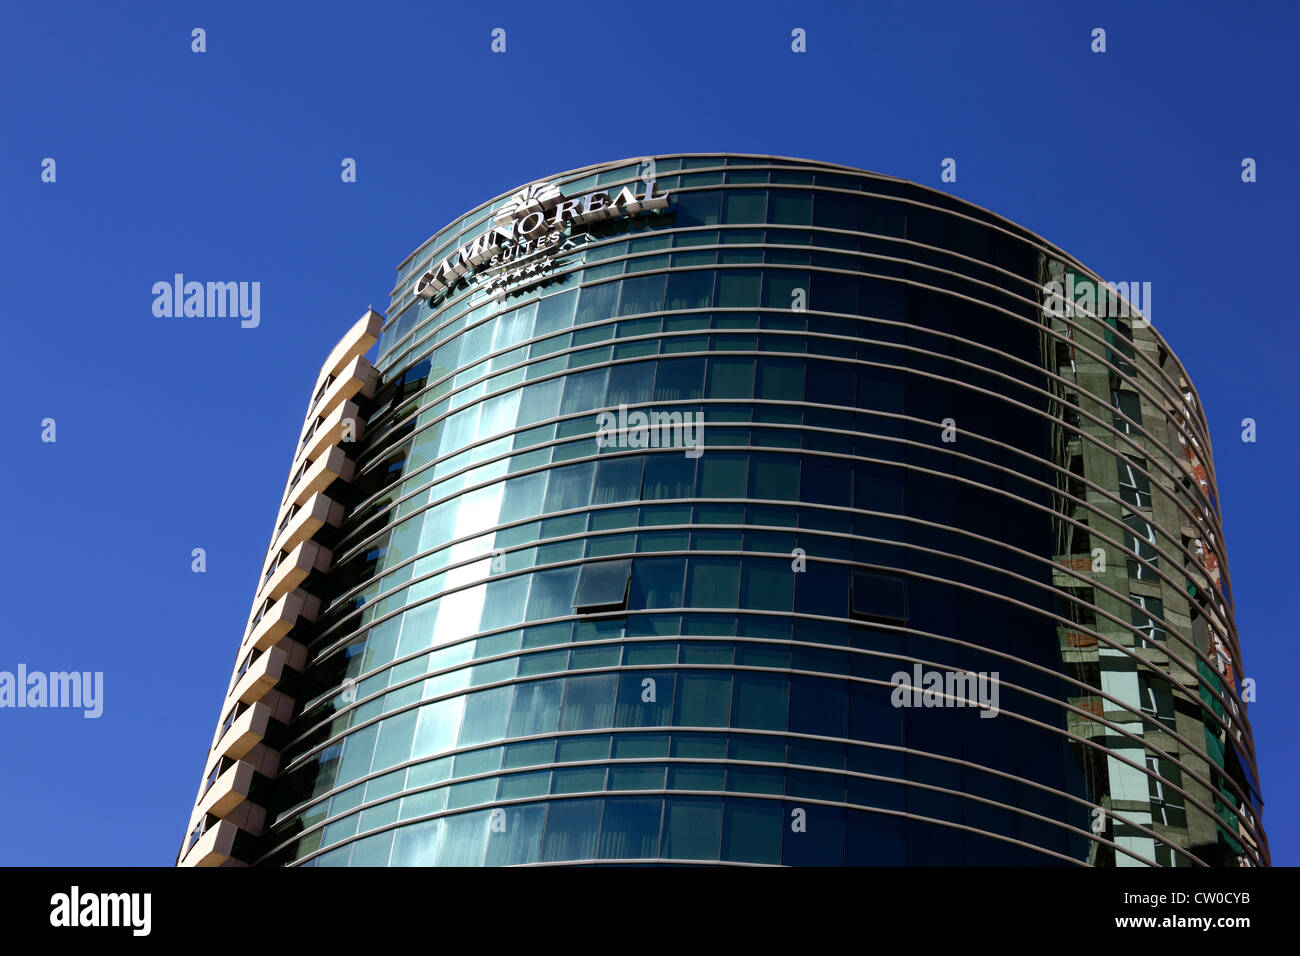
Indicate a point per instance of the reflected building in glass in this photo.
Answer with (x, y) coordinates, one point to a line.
(741, 510)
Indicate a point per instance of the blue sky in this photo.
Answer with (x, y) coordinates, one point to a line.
(176, 434)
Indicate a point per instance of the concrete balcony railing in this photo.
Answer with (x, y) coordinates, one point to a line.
(229, 790)
(355, 342)
(263, 674)
(244, 733)
(213, 847)
(317, 512)
(293, 569)
(254, 702)
(332, 430)
(331, 466)
(358, 377)
(280, 618)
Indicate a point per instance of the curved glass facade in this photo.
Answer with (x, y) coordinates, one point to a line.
(551, 633)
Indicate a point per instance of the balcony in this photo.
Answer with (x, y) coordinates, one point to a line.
(244, 732)
(267, 629)
(307, 520)
(261, 675)
(213, 847)
(293, 569)
(332, 429)
(357, 377)
(355, 343)
(229, 790)
(331, 466)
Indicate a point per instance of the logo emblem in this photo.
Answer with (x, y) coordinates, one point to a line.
(535, 198)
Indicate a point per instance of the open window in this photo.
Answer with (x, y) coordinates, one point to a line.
(602, 586)
(881, 598)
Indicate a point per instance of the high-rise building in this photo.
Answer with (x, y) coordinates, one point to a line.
(737, 509)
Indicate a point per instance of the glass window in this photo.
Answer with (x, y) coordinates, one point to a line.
(578, 780)
(485, 716)
(1126, 403)
(574, 749)
(730, 378)
(584, 391)
(774, 476)
(703, 699)
(630, 829)
(645, 699)
(759, 702)
(696, 208)
(692, 829)
(464, 839)
(744, 205)
(690, 290)
(785, 288)
(631, 384)
(530, 754)
(834, 293)
(521, 785)
(588, 702)
(879, 597)
(642, 294)
(696, 777)
(712, 582)
(602, 586)
(1134, 486)
(751, 831)
(1141, 538)
(633, 746)
(519, 841)
(597, 302)
(513, 327)
(571, 829)
(437, 727)
(822, 589)
(657, 582)
(394, 744)
(821, 843)
(837, 211)
(373, 851)
(569, 487)
(505, 603)
(540, 401)
(723, 474)
(523, 497)
(648, 777)
(555, 312)
(668, 475)
(357, 752)
(791, 207)
(738, 288)
(551, 594)
(417, 845)
(780, 379)
(1147, 619)
(617, 479)
(827, 481)
(536, 707)
(679, 380)
(766, 584)
(817, 706)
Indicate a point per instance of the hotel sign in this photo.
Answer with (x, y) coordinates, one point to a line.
(534, 227)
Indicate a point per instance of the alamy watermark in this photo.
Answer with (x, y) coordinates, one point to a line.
(945, 688)
(74, 909)
(212, 300)
(1102, 300)
(64, 689)
(650, 429)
